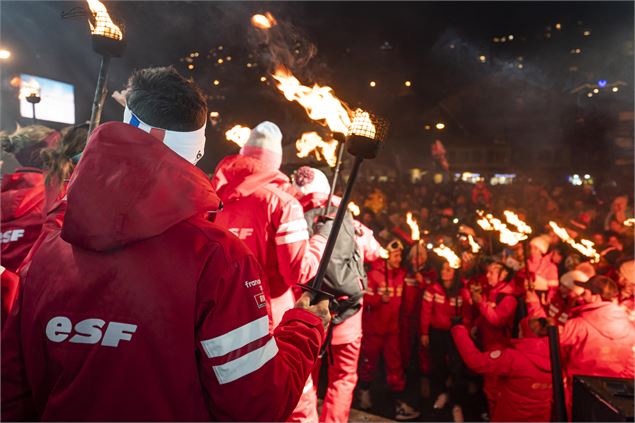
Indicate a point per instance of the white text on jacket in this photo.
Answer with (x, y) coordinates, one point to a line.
(13, 235)
(88, 331)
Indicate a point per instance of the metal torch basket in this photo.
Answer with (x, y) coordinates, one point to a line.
(366, 134)
(107, 44)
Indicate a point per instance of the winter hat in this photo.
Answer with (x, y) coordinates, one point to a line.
(600, 285)
(309, 180)
(265, 144)
(586, 268)
(541, 242)
(627, 271)
(568, 279)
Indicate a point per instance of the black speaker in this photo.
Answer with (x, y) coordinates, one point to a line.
(602, 399)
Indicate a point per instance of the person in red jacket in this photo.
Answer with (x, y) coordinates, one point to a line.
(141, 309)
(442, 301)
(598, 339)
(543, 271)
(9, 283)
(380, 320)
(259, 206)
(562, 303)
(523, 370)
(23, 193)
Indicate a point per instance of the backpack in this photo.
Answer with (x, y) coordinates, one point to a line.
(345, 275)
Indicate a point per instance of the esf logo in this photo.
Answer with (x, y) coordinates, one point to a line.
(13, 235)
(242, 233)
(89, 331)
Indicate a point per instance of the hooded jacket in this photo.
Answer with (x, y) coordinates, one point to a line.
(258, 208)
(143, 310)
(524, 376)
(22, 202)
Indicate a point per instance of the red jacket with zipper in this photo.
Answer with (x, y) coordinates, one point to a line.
(523, 371)
(258, 208)
(496, 314)
(438, 308)
(23, 202)
(381, 317)
(143, 310)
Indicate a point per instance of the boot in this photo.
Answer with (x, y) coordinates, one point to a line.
(365, 402)
(404, 411)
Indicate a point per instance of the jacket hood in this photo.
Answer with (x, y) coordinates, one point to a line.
(607, 318)
(536, 350)
(22, 191)
(128, 186)
(239, 176)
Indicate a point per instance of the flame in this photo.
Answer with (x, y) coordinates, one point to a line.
(506, 236)
(28, 88)
(584, 247)
(362, 125)
(453, 260)
(103, 25)
(238, 134)
(513, 219)
(354, 208)
(319, 102)
(629, 222)
(383, 253)
(473, 244)
(414, 227)
(265, 21)
(311, 142)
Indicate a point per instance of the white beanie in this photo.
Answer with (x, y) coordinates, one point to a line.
(309, 180)
(265, 144)
(541, 242)
(568, 279)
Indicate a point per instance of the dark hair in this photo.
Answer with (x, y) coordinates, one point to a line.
(457, 284)
(58, 160)
(161, 97)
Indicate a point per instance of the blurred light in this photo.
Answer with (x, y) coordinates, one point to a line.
(511, 37)
(372, 83)
(190, 66)
(216, 82)
(220, 61)
(578, 51)
(407, 83)
(429, 246)
(440, 126)
(587, 33)
(220, 47)
(558, 26)
(451, 45)
(520, 66)
(602, 83)
(503, 39)
(589, 94)
(214, 115)
(4, 54)
(427, 127)
(263, 78)
(548, 34)
(595, 90)
(495, 39)
(455, 221)
(228, 58)
(521, 58)
(587, 176)
(615, 89)
(483, 59)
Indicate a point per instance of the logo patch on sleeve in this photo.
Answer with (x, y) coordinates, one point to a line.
(261, 301)
(495, 354)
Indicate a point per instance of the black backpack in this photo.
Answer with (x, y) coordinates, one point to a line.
(345, 274)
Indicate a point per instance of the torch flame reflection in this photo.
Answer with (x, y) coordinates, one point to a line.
(103, 24)
(238, 134)
(414, 227)
(585, 247)
(311, 142)
(265, 21)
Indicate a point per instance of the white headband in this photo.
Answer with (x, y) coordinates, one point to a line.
(189, 145)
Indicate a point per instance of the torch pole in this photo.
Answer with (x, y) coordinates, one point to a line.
(100, 94)
(316, 285)
(559, 411)
(34, 118)
(338, 165)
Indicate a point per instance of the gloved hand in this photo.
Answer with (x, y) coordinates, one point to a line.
(321, 309)
(323, 226)
(456, 320)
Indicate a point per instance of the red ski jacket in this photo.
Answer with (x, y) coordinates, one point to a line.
(438, 308)
(22, 204)
(9, 283)
(143, 310)
(496, 316)
(524, 376)
(381, 317)
(258, 209)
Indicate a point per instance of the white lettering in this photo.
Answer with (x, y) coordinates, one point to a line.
(58, 328)
(12, 235)
(249, 284)
(88, 331)
(116, 332)
(242, 233)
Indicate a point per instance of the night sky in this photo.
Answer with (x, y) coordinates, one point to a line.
(519, 94)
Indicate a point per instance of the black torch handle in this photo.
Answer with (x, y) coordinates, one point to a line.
(34, 118)
(559, 411)
(316, 284)
(100, 94)
(338, 165)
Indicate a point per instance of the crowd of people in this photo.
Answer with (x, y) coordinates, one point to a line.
(135, 287)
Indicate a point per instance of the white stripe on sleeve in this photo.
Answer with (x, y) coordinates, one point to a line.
(246, 364)
(292, 237)
(237, 338)
(295, 225)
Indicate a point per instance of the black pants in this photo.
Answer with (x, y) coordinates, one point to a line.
(445, 362)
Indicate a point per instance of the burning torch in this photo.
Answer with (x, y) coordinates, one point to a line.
(107, 40)
(415, 234)
(365, 136)
(30, 91)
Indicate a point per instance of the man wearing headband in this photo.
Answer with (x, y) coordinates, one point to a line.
(142, 309)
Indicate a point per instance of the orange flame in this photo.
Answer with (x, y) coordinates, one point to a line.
(354, 208)
(311, 142)
(506, 236)
(362, 125)
(629, 222)
(319, 102)
(453, 260)
(473, 244)
(414, 227)
(584, 247)
(265, 21)
(28, 88)
(513, 219)
(103, 24)
(238, 134)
